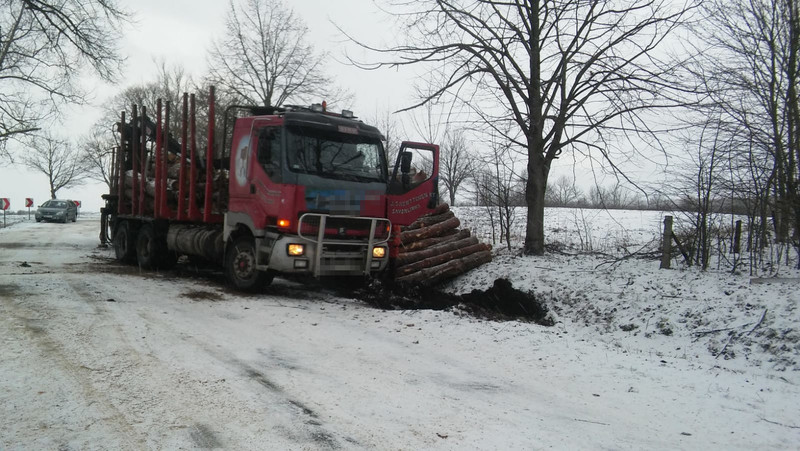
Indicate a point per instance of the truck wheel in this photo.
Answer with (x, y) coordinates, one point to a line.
(124, 248)
(240, 266)
(147, 248)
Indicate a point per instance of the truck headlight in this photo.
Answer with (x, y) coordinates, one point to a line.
(378, 252)
(295, 250)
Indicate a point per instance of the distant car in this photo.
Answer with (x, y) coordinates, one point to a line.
(57, 210)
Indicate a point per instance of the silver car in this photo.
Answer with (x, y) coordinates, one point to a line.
(57, 210)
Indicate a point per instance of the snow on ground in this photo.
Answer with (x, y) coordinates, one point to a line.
(678, 313)
(96, 355)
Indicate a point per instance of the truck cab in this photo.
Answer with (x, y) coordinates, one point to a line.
(312, 192)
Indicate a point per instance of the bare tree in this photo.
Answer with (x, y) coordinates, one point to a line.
(430, 122)
(563, 193)
(749, 63)
(697, 190)
(568, 74)
(456, 162)
(63, 165)
(614, 197)
(391, 127)
(495, 185)
(97, 148)
(43, 47)
(264, 57)
(169, 85)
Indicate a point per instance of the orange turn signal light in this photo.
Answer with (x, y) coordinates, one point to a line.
(283, 223)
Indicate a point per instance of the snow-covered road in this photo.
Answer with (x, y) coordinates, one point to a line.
(95, 355)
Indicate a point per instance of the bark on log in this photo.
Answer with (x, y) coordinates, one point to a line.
(429, 232)
(450, 235)
(437, 260)
(406, 258)
(427, 221)
(436, 274)
(440, 209)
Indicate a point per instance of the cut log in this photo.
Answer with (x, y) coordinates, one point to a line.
(450, 235)
(427, 221)
(429, 232)
(174, 170)
(436, 274)
(437, 260)
(406, 258)
(440, 209)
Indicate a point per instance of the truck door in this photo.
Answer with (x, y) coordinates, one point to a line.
(413, 188)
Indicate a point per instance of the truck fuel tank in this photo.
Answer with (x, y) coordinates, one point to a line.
(203, 241)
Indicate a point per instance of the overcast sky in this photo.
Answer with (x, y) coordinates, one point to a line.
(179, 31)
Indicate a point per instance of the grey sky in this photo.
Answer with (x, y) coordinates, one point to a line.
(178, 32)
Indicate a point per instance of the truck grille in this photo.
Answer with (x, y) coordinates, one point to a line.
(343, 228)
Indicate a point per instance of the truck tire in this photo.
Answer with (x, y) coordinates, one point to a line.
(152, 252)
(147, 249)
(240, 266)
(124, 244)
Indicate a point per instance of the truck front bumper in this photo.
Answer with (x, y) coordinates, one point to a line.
(325, 255)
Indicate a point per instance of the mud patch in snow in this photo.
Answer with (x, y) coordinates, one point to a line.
(200, 295)
(500, 302)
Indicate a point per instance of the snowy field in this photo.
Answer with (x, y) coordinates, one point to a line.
(95, 355)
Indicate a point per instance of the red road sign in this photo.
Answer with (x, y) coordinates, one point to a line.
(29, 202)
(4, 203)
(77, 203)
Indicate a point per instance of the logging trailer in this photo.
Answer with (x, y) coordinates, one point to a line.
(275, 190)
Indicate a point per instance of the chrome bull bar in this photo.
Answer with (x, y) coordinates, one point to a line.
(328, 258)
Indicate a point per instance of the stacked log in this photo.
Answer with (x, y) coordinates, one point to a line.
(433, 249)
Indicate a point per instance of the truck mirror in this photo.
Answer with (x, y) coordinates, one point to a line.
(405, 162)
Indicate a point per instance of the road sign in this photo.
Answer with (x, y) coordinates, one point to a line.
(29, 202)
(77, 203)
(4, 203)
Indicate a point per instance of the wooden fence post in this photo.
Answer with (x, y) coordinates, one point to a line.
(737, 245)
(666, 243)
(737, 237)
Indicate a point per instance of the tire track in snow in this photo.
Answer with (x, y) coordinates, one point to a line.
(312, 429)
(39, 331)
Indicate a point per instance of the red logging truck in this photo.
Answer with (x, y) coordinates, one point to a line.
(290, 190)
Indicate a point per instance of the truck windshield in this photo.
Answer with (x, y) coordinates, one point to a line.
(335, 155)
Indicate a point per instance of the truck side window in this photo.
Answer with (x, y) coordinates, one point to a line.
(413, 167)
(269, 151)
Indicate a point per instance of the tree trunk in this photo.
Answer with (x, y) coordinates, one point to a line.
(534, 197)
